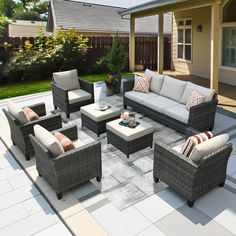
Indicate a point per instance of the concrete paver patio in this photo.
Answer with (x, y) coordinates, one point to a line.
(23, 209)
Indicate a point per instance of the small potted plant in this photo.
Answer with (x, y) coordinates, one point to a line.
(115, 62)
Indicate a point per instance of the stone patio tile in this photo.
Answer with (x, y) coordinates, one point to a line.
(83, 224)
(189, 221)
(58, 229)
(17, 196)
(67, 206)
(151, 231)
(160, 205)
(145, 164)
(9, 172)
(31, 225)
(223, 122)
(19, 180)
(127, 222)
(219, 204)
(5, 187)
(94, 200)
(231, 167)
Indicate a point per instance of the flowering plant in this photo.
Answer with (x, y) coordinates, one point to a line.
(125, 116)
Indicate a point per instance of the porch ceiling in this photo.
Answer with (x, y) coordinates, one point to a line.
(162, 6)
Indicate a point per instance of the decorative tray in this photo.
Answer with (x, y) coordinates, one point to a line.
(127, 124)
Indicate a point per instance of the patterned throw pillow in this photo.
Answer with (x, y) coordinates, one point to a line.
(30, 114)
(66, 143)
(194, 99)
(195, 140)
(142, 83)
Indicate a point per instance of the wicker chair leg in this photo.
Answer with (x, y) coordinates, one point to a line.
(13, 143)
(68, 115)
(222, 184)
(59, 196)
(156, 180)
(27, 157)
(190, 203)
(39, 174)
(125, 106)
(99, 178)
(55, 107)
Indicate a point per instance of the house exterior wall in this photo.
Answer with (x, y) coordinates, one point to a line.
(25, 30)
(200, 64)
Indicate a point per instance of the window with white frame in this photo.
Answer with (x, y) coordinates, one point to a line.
(184, 43)
(229, 34)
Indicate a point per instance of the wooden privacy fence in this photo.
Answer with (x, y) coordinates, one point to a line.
(145, 49)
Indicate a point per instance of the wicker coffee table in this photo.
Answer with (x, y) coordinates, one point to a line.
(129, 140)
(95, 120)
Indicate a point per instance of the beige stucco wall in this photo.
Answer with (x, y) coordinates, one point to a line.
(200, 64)
(25, 30)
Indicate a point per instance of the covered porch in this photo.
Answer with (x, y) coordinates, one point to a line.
(187, 40)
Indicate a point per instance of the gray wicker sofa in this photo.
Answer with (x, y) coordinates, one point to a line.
(166, 101)
(70, 168)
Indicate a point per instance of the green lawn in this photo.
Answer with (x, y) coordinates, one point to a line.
(25, 88)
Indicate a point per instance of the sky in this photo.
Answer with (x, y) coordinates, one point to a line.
(119, 3)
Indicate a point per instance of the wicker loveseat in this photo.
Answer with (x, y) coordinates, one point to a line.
(166, 101)
(20, 132)
(70, 92)
(70, 168)
(190, 179)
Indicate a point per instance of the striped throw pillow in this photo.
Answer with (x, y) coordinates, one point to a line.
(66, 143)
(142, 83)
(194, 99)
(194, 141)
(30, 114)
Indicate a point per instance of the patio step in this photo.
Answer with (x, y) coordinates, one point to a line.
(230, 184)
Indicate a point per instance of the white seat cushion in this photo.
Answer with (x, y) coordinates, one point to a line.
(156, 81)
(159, 103)
(190, 87)
(140, 97)
(48, 140)
(78, 95)
(209, 146)
(17, 112)
(178, 112)
(127, 133)
(173, 88)
(67, 79)
(92, 111)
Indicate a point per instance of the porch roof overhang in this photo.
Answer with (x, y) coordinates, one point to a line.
(162, 6)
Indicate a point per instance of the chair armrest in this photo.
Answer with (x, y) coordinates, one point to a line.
(60, 93)
(69, 131)
(39, 108)
(87, 86)
(128, 85)
(87, 153)
(163, 152)
(50, 123)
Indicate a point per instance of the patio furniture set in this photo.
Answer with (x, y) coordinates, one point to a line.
(65, 163)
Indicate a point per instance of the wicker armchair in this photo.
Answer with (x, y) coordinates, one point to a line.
(186, 177)
(20, 132)
(70, 168)
(61, 98)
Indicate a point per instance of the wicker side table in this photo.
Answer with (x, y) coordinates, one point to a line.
(95, 120)
(129, 140)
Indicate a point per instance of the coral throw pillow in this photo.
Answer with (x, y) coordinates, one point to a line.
(194, 141)
(30, 114)
(194, 99)
(66, 143)
(142, 83)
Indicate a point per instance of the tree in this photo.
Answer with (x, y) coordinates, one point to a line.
(4, 21)
(7, 8)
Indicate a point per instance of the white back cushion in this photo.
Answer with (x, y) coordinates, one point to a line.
(209, 146)
(17, 112)
(156, 81)
(173, 88)
(205, 92)
(48, 140)
(67, 79)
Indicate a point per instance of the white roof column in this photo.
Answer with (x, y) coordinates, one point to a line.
(132, 44)
(160, 44)
(215, 40)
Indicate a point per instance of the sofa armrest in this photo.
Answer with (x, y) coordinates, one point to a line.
(128, 85)
(39, 108)
(60, 93)
(87, 86)
(202, 116)
(69, 131)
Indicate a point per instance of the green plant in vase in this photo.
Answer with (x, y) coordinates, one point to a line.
(115, 61)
